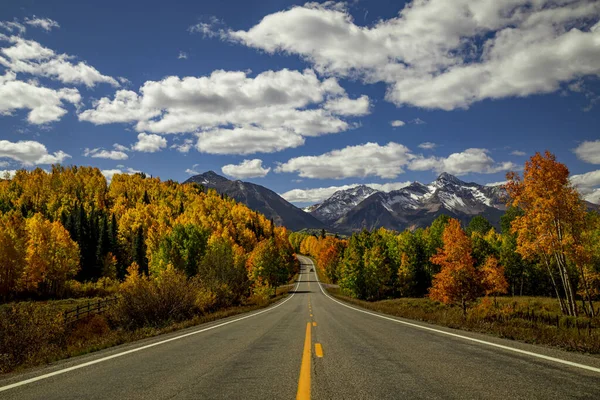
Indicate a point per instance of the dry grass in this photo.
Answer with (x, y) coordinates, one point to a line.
(33, 333)
(528, 319)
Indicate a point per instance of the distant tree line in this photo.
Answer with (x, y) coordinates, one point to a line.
(548, 245)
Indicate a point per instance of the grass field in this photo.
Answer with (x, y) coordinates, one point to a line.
(529, 319)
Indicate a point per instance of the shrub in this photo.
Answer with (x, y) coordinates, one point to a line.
(145, 301)
(104, 287)
(29, 332)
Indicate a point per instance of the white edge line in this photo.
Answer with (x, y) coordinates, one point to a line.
(99, 360)
(529, 353)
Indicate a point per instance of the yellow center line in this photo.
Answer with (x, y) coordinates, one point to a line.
(319, 350)
(311, 315)
(304, 380)
(314, 324)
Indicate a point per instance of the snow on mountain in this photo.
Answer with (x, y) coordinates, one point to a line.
(416, 204)
(339, 203)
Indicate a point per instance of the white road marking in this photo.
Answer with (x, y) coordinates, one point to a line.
(529, 353)
(99, 360)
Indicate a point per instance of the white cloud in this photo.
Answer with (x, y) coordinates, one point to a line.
(183, 147)
(518, 153)
(316, 195)
(397, 123)
(29, 152)
(247, 140)
(191, 171)
(587, 180)
(417, 121)
(246, 169)
(30, 57)
(182, 55)
(440, 54)
(7, 174)
(45, 105)
(110, 173)
(594, 196)
(120, 147)
(149, 143)
(588, 185)
(13, 26)
(108, 154)
(468, 161)
(364, 160)
(347, 106)
(298, 102)
(388, 187)
(427, 145)
(496, 183)
(45, 23)
(589, 151)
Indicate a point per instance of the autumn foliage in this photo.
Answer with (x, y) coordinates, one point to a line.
(552, 228)
(68, 225)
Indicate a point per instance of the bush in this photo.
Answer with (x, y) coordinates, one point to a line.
(29, 333)
(145, 301)
(104, 287)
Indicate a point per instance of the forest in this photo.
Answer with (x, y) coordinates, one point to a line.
(166, 251)
(548, 245)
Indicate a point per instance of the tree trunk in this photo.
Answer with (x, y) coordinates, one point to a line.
(560, 301)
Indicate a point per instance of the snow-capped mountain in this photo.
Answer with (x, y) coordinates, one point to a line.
(413, 206)
(340, 203)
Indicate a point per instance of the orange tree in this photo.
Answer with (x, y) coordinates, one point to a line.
(551, 226)
(458, 282)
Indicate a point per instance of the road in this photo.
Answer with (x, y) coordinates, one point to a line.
(310, 345)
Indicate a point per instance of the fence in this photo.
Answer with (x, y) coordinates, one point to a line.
(84, 310)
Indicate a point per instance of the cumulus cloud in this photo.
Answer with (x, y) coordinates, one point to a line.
(30, 57)
(108, 154)
(372, 159)
(110, 173)
(182, 55)
(316, 195)
(46, 24)
(297, 101)
(149, 143)
(29, 152)
(518, 153)
(468, 161)
(588, 185)
(440, 54)
(364, 160)
(193, 170)
(427, 145)
(397, 123)
(246, 169)
(183, 147)
(7, 173)
(45, 105)
(348, 106)
(247, 140)
(588, 151)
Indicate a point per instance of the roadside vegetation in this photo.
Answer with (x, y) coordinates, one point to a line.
(474, 277)
(172, 255)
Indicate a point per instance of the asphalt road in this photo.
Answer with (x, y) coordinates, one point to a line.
(311, 345)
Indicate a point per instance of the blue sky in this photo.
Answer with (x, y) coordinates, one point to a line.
(301, 97)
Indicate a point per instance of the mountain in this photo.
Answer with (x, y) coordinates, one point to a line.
(339, 203)
(261, 199)
(416, 205)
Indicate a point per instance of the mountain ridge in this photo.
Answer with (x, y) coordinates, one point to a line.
(261, 199)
